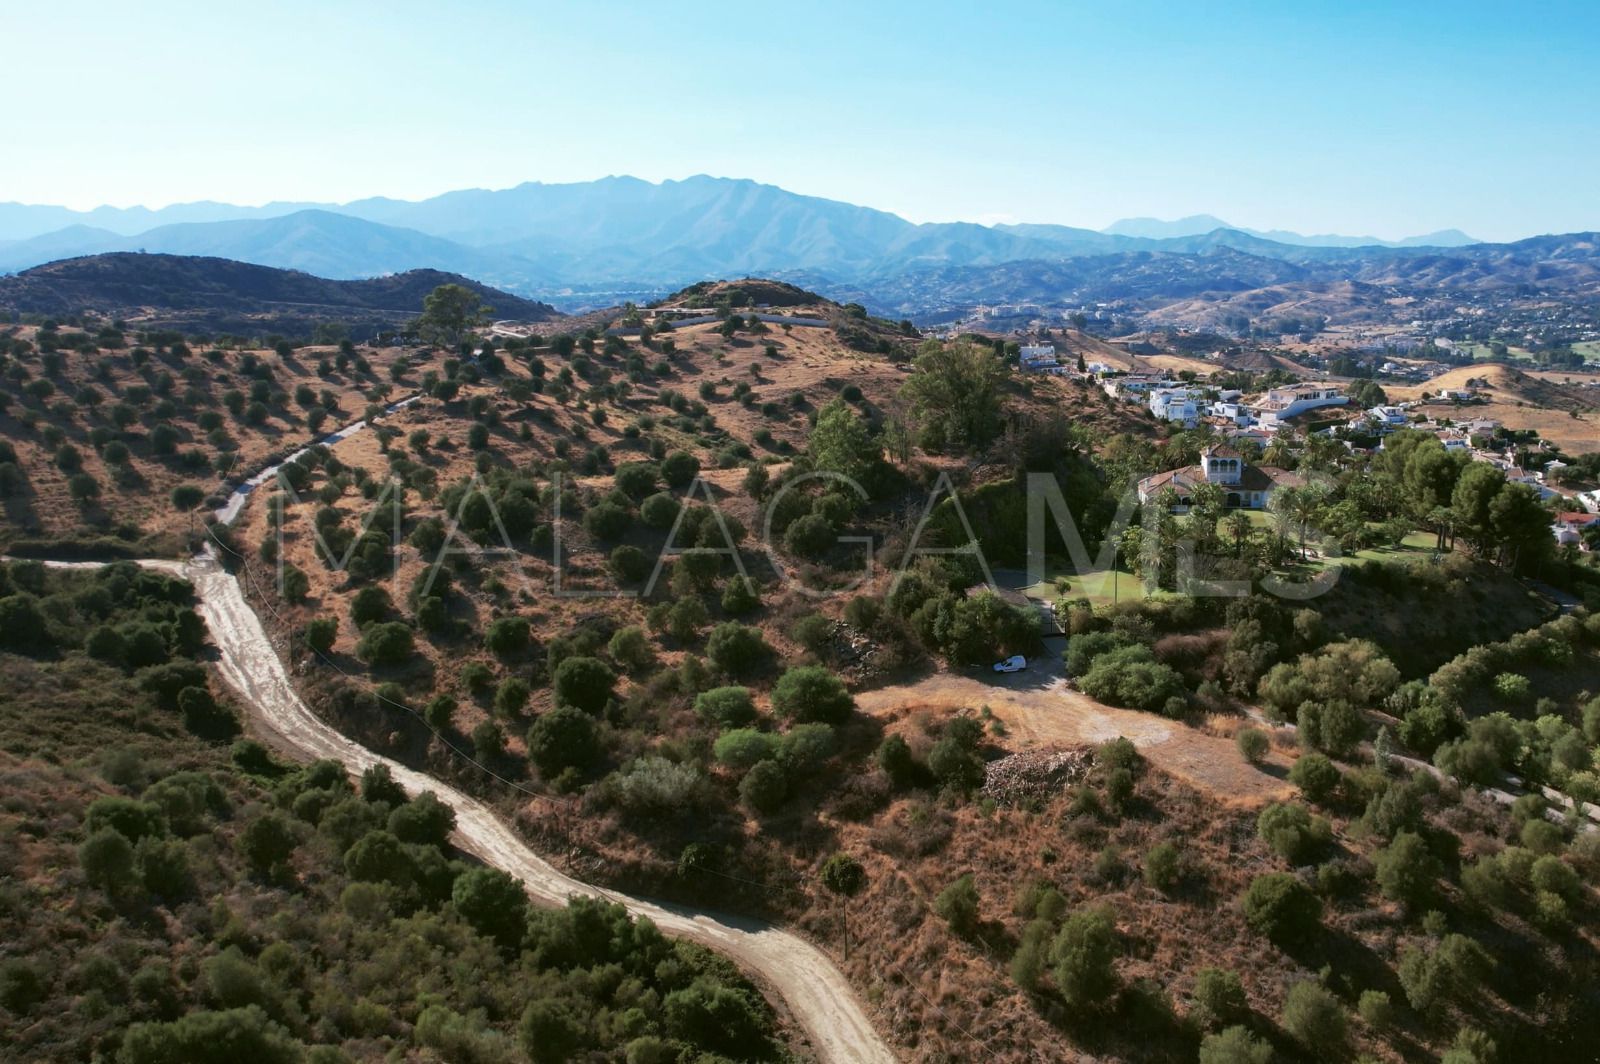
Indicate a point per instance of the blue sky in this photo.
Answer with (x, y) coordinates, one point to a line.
(1383, 119)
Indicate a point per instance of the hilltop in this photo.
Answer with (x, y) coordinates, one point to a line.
(220, 295)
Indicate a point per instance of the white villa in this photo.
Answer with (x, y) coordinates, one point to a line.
(1391, 417)
(1280, 404)
(1176, 404)
(1245, 486)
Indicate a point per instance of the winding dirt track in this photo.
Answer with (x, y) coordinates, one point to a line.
(816, 993)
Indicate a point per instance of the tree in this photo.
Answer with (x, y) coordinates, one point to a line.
(448, 312)
(552, 1030)
(493, 903)
(584, 682)
(628, 564)
(370, 604)
(386, 643)
(565, 737)
(186, 497)
(764, 787)
(205, 1037)
(379, 786)
(740, 597)
(678, 468)
(844, 875)
(1281, 907)
(1451, 970)
(83, 487)
(1406, 871)
(1253, 744)
(321, 632)
(507, 637)
(736, 649)
(266, 844)
(1316, 776)
(1315, 1019)
(953, 397)
(812, 693)
(511, 697)
(1293, 833)
(106, 858)
(424, 821)
(630, 648)
(1235, 1045)
(1218, 998)
(1082, 955)
(726, 707)
(636, 479)
(957, 904)
(1163, 866)
(897, 762)
(840, 442)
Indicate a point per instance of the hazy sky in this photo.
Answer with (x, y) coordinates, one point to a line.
(1385, 119)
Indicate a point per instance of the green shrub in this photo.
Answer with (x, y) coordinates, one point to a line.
(812, 693)
(1235, 1045)
(1293, 832)
(1082, 956)
(1253, 744)
(1163, 867)
(957, 905)
(764, 787)
(1218, 998)
(1317, 777)
(726, 707)
(1279, 906)
(1314, 1017)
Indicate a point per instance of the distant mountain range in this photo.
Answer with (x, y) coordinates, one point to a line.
(584, 243)
(1199, 224)
(197, 293)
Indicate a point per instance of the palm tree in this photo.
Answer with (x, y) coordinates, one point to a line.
(1283, 503)
(1239, 527)
(1440, 517)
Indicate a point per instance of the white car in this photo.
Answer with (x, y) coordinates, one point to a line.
(1015, 663)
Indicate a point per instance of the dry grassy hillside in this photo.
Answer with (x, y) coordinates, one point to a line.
(1565, 415)
(141, 420)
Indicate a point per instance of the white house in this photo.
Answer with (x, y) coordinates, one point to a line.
(1391, 417)
(1231, 411)
(1245, 486)
(1281, 404)
(1176, 404)
(1123, 387)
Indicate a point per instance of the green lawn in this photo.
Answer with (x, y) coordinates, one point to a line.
(1100, 587)
(1482, 352)
(1416, 547)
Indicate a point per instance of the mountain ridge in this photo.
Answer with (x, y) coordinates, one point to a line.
(186, 291)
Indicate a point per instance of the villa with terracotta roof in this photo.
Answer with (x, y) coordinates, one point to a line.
(1245, 487)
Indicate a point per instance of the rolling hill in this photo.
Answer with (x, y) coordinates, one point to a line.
(193, 292)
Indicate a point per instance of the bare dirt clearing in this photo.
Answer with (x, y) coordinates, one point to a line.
(1039, 710)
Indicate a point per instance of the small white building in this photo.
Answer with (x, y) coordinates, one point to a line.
(1232, 411)
(1392, 417)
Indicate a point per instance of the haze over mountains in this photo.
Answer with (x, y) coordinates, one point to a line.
(621, 237)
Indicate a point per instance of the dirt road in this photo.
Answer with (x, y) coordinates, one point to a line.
(1039, 709)
(816, 993)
